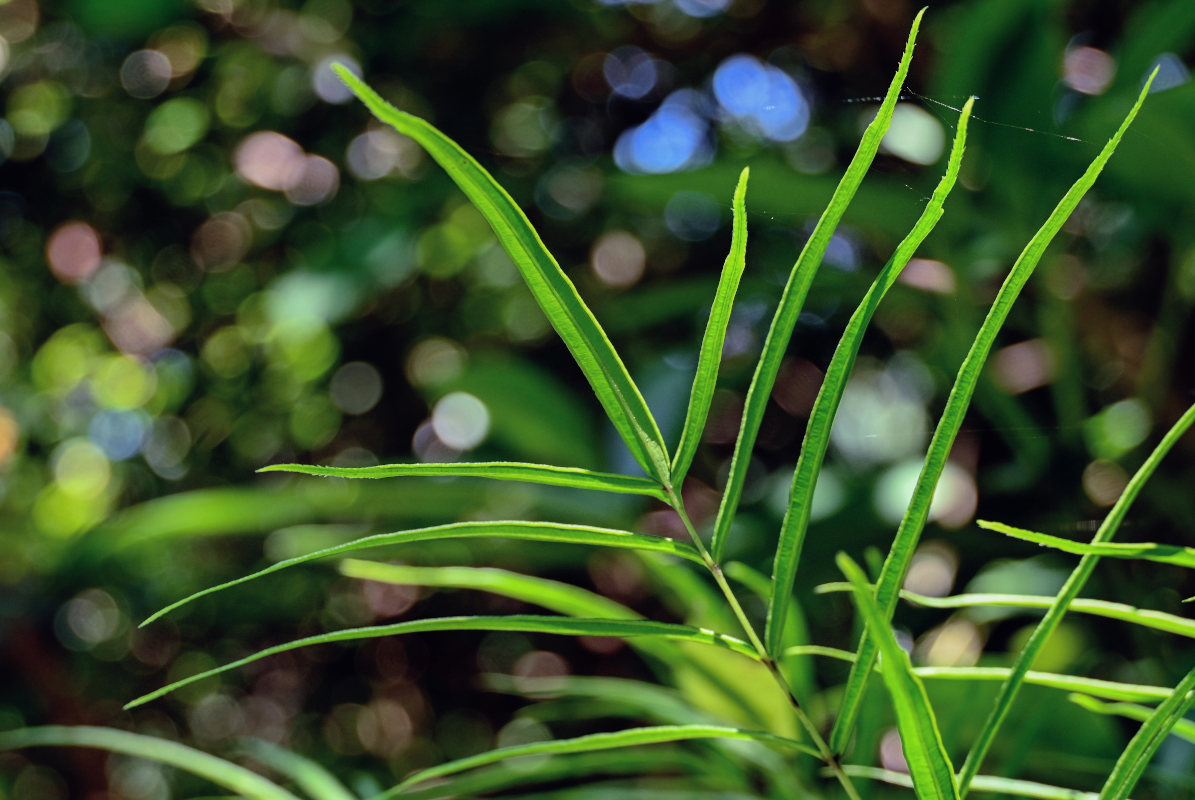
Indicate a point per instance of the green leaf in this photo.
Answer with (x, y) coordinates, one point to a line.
(1184, 728)
(710, 357)
(1110, 690)
(308, 775)
(983, 783)
(825, 408)
(524, 623)
(594, 742)
(496, 470)
(929, 764)
(520, 774)
(900, 555)
(1145, 617)
(1069, 591)
(1149, 737)
(231, 776)
(563, 598)
(532, 531)
(552, 289)
(1095, 687)
(793, 298)
(1163, 553)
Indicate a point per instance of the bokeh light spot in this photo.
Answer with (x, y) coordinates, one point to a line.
(73, 252)
(692, 216)
(123, 382)
(176, 125)
(36, 109)
(761, 97)
(703, 8)
(460, 420)
(145, 74)
(316, 183)
(81, 469)
(1118, 428)
(118, 434)
(914, 135)
(327, 84)
(434, 362)
(630, 72)
(1088, 70)
(618, 259)
(675, 137)
(269, 160)
(10, 435)
(356, 387)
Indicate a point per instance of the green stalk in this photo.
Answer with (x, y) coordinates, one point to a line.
(678, 505)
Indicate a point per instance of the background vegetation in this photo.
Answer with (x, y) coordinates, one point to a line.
(213, 262)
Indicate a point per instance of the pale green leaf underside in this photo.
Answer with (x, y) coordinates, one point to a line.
(825, 408)
(523, 623)
(929, 763)
(1145, 617)
(528, 531)
(552, 289)
(1074, 584)
(563, 598)
(1149, 737)
(1095, 687)
(523, 774)
(793, 298)
(496, 470)
(1184, 728)
(709, 358)
(982, 783)
(593, 742)
(1147, 551)
(900, 554)
(308, 775)
(231, 776)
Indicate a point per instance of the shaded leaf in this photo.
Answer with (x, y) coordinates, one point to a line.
(530, 531)
(710, 356)
(524, 623)
(223, 773)
(929, 764)
(496, 470)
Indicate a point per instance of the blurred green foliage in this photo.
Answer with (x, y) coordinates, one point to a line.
(210, 263)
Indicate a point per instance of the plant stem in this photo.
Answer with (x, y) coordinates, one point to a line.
(678, 505)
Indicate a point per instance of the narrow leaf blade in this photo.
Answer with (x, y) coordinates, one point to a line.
(986, 783)
(929, 764)
(1069, 591)
(633, 737)
(793, 298)
(496, 470)
(523, 623)
(1184, 728)
(308, 775)
(552, 289)
(710, 357)
(1147, 551)
(220, 772)
(825, 408)
(563, 598)
(1145, 617)
(1149, 737)
(900, 555)
(527, 531)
